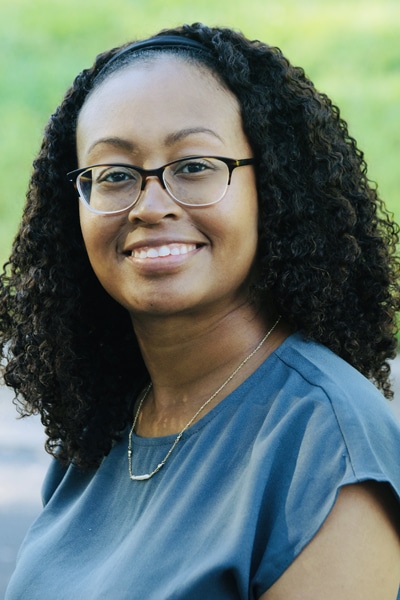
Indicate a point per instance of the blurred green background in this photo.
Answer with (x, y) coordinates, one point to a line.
(349, 48)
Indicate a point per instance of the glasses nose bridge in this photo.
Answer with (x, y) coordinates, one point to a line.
(148, 173)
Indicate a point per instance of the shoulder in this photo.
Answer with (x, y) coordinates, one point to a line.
(70, 479)
(54, 476)
(315, 371)
(327, 427)
(319, 366)
(328, 401)
(355, 554)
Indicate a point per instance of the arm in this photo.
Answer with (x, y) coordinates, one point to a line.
(354, 556)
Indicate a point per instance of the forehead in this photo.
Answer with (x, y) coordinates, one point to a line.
(157, 74)
(161, 61)
(158, 93)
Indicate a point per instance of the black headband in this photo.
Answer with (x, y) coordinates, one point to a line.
(158, 43)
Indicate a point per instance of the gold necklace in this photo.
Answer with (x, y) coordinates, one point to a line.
(202, 407)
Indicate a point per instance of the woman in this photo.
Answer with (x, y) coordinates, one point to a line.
(199, 338)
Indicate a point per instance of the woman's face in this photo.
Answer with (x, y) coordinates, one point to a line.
(149, 114)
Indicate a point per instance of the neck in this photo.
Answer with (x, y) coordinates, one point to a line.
(188, 360)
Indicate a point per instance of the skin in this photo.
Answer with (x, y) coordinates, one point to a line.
(191, 313)
(355, 555)
(140, 130)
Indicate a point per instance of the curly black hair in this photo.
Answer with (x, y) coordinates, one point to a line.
(326, 251)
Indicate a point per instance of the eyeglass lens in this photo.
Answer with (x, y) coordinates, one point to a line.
(195, 181)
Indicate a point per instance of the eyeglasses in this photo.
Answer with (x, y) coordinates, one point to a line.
(192, 181)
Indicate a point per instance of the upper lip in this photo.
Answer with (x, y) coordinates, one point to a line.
(158, 242)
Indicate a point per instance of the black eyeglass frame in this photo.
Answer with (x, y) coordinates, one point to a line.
(231, 163)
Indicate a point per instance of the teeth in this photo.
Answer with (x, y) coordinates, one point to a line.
(164, 251)
(152, 253)
(173, 249)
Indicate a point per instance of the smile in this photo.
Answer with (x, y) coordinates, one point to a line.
(165, 250)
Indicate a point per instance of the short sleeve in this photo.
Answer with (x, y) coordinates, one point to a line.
(329, 437)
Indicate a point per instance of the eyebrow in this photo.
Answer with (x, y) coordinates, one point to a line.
(172, 138)
(116, 142)
(179, 135)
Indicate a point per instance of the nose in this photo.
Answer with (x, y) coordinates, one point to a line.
(155, 174)
(154, 203)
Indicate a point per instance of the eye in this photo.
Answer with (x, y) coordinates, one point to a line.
(194, 166)
(114, 175)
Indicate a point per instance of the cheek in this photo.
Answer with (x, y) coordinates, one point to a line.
(98, 236)
(96, 229)
(237, 232)
(87, 225)
(246, 232)
(245, 221)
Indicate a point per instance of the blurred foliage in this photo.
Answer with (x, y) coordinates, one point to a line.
(349, 48)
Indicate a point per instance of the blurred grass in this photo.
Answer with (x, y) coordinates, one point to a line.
(349, 48)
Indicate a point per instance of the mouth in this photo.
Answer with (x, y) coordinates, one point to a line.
(174, 249)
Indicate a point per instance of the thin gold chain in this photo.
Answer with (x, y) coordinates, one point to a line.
(202, 407)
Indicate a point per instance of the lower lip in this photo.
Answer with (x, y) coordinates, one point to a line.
(162, 264)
